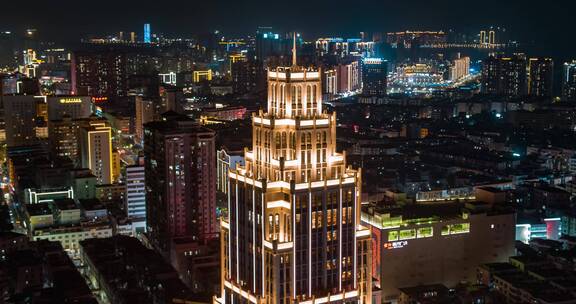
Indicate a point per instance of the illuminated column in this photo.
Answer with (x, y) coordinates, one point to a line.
(293, 207)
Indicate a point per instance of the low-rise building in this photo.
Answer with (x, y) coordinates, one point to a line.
(70, 236)
(43, 273)
(419, 244)
(122, 269)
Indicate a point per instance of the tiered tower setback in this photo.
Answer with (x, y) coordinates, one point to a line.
(293, 232)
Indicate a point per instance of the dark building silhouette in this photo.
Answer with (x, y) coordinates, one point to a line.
(374, 76)
(505, 76)
(540, 77)
(181, 188)
(569, 81)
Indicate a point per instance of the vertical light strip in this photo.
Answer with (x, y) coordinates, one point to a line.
(253, 238)
(294, 246)
(229, 234)
(354, 231)
(263, 268)
(309, 242)
(340, 241)
(237, 239)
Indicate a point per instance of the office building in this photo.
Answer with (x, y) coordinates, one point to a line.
(540, 77)
(72, 106)
(270, 44)
(374, 76)
(147, 33)
(135, 192)
(506, 76)
(21, 121)
(64, 137)
(569, 81)
(181, 185)
(293, 233)
(96, 150)
(436, 243)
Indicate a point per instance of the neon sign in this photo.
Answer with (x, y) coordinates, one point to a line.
(395, 245)
(70, 100)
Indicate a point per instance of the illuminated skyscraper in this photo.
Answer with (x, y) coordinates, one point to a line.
(293, 233)
(96, 150)
(147, 33)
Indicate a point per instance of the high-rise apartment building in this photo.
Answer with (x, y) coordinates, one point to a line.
(374, 76)
(180, 168)
(99, 73)
(247, 75)
(540, 77)
(348, 76)
(569, 81)
(505, 76)
(145, 110)
(95, 140)
(293, 233)
(460, 68)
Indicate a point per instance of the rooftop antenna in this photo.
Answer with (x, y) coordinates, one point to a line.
(294, 50)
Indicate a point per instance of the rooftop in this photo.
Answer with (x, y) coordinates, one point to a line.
(65, 204)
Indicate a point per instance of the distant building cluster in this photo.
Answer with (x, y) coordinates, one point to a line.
(410, 166)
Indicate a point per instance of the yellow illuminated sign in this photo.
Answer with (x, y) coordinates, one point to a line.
(70, 100)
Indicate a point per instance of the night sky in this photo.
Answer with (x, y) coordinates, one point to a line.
(548, 23)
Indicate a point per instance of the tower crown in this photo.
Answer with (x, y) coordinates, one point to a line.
(294, 92)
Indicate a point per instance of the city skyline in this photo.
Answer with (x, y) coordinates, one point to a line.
(310, 152)
(545, 24)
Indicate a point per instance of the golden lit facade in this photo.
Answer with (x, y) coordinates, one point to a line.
(293, 232)
(96, 151)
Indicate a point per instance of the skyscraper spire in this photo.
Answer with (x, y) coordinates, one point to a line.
(294, 50)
